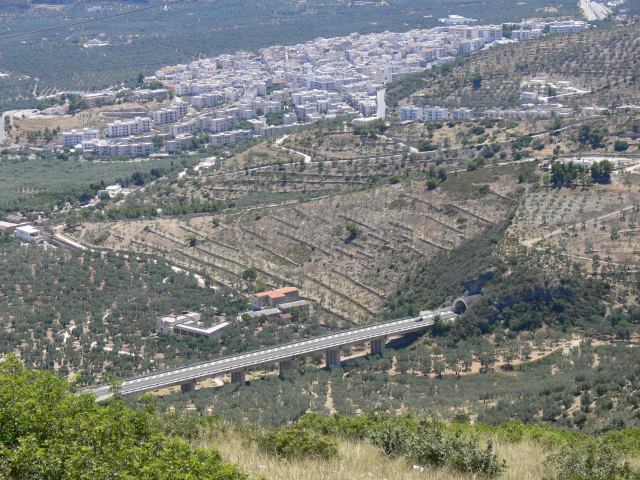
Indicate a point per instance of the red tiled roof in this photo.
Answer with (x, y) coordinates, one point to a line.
(276, 293)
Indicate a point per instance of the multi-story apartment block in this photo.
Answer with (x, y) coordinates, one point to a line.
(567, 26)
(182, 127)
(121, 128)
(232, 136)
(76, 137)
(427, 114)
(208, 100)
(111, 149)
(170, 114)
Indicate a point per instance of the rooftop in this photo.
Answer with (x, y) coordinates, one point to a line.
(276, 293)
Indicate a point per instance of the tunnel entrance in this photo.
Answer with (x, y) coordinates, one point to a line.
(459, 306)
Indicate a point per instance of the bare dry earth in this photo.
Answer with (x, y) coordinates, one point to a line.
(306, 244)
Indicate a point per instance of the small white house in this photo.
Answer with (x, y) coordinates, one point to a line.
(29, 233)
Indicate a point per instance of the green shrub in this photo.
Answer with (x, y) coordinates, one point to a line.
(427, 442)
(593, 461)
(47, 432)
(296, 442)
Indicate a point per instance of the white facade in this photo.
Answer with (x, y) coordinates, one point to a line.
(170, 114)
(121, 128)
(568, 26)
(29, 233)
(76, 137)
(188, 324)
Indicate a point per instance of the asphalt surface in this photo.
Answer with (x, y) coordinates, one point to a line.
(245, 361)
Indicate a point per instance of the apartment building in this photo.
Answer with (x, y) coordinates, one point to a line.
(76, 137)
(113, 149)
(430, 114)
(232, 136)
(567, 26)
(182, 127)
(125, 128)
(208, 100)
(171, 114)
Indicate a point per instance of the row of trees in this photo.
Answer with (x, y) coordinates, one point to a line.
(566, 174)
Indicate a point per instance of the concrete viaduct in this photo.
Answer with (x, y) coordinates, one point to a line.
(285, 355)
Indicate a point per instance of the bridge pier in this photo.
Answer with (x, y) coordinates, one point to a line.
(134, 396)
(239, 378)
(188, 387)
(377, 346)
(286, 365)
(333, 357)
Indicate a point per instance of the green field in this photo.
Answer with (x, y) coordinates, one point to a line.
(22, 180)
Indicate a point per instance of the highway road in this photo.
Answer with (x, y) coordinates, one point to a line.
(594, 10)
(281, 353)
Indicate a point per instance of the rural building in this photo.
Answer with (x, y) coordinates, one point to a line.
(276, 302)
(188, 324)
(273, 298)
(98, 99)
(7, 227)
(29, 233)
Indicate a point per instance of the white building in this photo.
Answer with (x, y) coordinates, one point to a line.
(170, 114)
(29, 233)
(114, 149)
(456, 19)
(567, 26)
(428, 114)
(76, 137)
(121, 128)
(232, 136)
(188, 324)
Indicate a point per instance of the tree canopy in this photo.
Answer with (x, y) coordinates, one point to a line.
(46, 432)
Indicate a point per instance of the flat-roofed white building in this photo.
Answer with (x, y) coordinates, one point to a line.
(170, 114)
(29, 233)
(121, 128)
(188, 324)
(75, 137)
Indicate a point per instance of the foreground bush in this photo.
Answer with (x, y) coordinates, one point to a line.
(296, 443)
(595, 460)
(428, 443)
(423, 441)
(46, 432)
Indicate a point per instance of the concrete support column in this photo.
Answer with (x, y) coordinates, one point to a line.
(239, 377)
(377, 346)
(188, 387)
(135, 396)
(286, 365)
(333, 357)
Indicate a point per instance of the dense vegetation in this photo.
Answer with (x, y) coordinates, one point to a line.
(47, 432)
(73, 312)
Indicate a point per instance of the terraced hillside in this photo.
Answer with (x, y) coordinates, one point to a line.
(603, 60)
(346, 251)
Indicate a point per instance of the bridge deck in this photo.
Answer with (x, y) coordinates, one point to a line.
(256, 358)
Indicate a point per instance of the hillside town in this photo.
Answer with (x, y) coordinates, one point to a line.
(233, 98)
